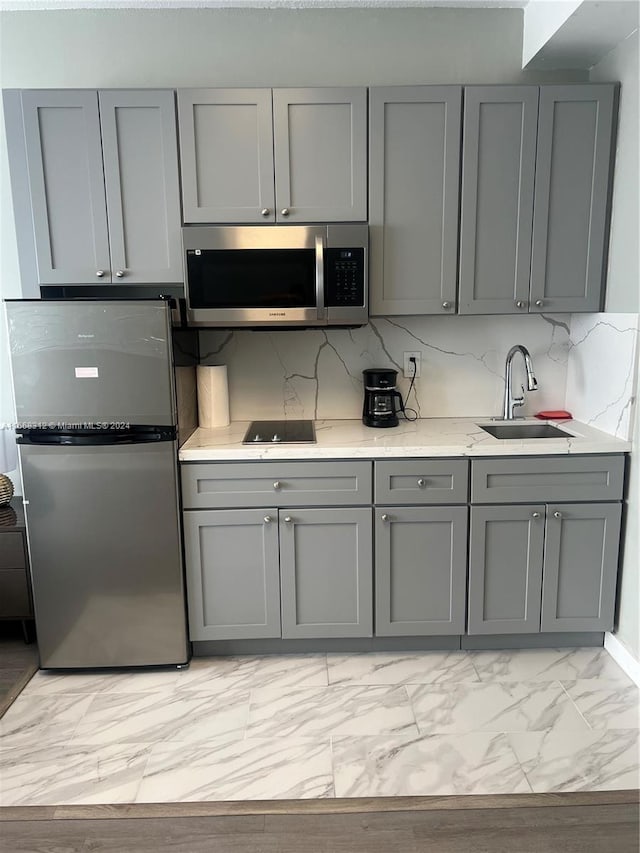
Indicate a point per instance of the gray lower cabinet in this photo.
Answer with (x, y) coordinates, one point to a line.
(505, 569)
(536, 173)
(233, 575)
(414, 179)
(420, 570)
(580, 567)
(281, 155)
(543, 568)
(95, 185)
(325, 570)
(287, 558)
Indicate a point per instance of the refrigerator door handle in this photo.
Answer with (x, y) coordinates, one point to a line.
(96, 439)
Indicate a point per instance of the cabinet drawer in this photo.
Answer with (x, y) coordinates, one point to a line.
(11, 551)
(547, 479)
(422, 481)
(277, 484)
(14, 594)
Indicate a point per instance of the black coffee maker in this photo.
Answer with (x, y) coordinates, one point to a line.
(380, 398)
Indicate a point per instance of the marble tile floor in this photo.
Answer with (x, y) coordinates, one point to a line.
(317, 726)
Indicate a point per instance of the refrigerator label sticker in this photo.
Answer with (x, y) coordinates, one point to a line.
(86, 372)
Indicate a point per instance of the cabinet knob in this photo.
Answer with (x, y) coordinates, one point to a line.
(265, 211)
(120, 274)
(535, 515)
(267, 519)
(557, 514)
(285, 211)
(446, 305)
(288, 519)
(520, 303)
(539, 303)
(384, 516)
(99, 273)
(276, 485)
(422, 483)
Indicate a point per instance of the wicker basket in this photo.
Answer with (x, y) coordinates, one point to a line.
(6, 490)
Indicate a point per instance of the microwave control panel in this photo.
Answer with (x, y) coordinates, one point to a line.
(344, 277)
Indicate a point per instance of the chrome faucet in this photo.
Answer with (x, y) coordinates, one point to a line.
(510, 402)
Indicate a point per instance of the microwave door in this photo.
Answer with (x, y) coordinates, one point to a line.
(277, 286)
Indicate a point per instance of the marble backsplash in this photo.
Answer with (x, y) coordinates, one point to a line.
(602, 371)
(318, 374)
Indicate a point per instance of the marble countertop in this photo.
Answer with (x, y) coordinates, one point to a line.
(350, 439)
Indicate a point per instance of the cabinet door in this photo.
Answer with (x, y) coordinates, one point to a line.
(140, 152)
(505, 569)
(326, 572)
(66, 186)
(226, 155)
(570, 223)
(414, 186)
(498, 167)
(233, 581)
(421, 570)
(580, 567)
(320, 150)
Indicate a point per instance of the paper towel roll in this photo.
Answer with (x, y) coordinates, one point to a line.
(213, 396)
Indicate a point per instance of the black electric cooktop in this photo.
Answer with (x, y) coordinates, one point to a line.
(283, 432)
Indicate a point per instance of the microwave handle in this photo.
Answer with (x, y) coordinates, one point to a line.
(320, 277)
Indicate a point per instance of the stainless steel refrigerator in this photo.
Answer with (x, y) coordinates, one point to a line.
(97, 435)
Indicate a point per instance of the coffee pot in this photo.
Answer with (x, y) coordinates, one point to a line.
(381, 397)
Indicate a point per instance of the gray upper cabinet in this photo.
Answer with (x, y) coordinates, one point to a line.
(101, 178)
(226, 154)
(320, 151)
(571, 212)
(282, 155)
(325, 570)
(498, 167)
(537, 167)
(140, 152)
(580, 567)
(65, 185)
(420, 570)
(414, 178)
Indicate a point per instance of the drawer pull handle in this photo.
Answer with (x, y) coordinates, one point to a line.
(276, 485)
(384, 517)
(288, 519)
(535, 515)
(422, 483)
(557, 514)
(267, 519)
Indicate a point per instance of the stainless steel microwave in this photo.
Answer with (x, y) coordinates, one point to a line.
(276, 275)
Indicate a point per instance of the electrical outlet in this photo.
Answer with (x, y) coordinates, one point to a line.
(408, 365)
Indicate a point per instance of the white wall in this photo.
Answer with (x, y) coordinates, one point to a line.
(623, 294)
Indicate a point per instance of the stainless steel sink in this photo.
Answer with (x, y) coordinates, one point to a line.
(522, 431)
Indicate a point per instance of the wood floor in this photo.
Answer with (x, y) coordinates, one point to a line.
(520, 823)
(18, 662)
